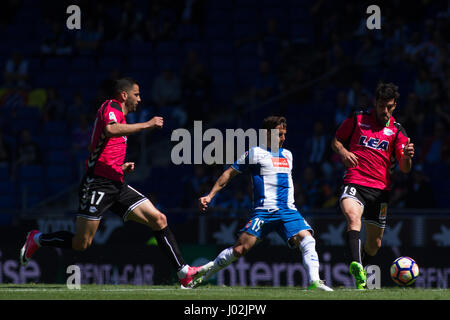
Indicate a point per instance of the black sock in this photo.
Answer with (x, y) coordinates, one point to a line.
(59, 239)
(366, 258)
(166, 241)
(354, 245)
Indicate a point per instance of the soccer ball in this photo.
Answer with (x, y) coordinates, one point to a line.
(404, 271)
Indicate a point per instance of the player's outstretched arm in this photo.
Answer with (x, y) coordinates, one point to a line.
(115, 129)
(348, 158)
(223, 180)
(406, 160)
(128, 167)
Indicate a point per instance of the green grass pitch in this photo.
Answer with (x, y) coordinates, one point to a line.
(209, 292)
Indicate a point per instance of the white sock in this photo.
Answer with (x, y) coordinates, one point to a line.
(310, 258)
(183, 272)
(225, 258)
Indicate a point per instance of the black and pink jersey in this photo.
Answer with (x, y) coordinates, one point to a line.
(107, 154)
(375, 146)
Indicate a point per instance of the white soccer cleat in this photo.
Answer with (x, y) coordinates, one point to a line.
(208, 271)
(319, 285)
(205, 268)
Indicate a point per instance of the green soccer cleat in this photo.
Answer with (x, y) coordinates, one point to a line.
(358, 272)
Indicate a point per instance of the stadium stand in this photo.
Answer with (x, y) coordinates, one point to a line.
(231, 39)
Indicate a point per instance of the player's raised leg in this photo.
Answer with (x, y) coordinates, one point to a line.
(80, 241)
(310, 259)
(227, 256)
(146, 213)
(353, 211)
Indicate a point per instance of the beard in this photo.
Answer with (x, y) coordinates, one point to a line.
(131, 107)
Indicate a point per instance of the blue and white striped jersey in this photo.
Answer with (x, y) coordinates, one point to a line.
(271, 176)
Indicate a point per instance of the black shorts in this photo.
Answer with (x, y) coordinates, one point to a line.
(373, 201)
(98, 194)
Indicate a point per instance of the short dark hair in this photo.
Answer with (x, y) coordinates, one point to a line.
(386, 91)
(273, 121)
(123, 84)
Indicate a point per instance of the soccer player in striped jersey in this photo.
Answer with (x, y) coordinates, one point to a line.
(273, 206)
(369, 144)
(103, 187)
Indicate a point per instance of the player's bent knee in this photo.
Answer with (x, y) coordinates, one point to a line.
(156, 221)
(294, 242)
(239, 251)
(161, 221)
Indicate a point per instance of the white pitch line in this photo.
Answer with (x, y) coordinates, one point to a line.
(86, 290)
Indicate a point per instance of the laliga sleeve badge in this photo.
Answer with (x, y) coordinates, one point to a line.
(112, 116)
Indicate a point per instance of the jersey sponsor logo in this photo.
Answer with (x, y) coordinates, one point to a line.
(373, 143)
(280, 162)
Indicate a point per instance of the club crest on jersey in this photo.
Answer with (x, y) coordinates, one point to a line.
(373, 143)
(388, 132)
(280, 162)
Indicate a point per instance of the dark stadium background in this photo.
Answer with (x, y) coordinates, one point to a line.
(228, 64)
